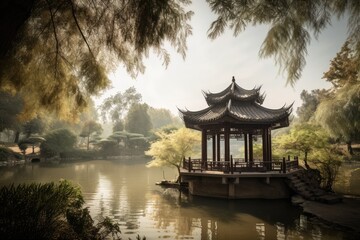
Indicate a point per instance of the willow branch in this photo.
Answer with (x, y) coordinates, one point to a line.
(55, 36)
(79, 28)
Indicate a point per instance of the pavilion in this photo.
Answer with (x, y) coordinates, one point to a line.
(236, 113)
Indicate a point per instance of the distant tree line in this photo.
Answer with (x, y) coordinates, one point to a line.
(133, 125)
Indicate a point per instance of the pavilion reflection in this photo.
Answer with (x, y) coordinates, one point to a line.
(199, 218)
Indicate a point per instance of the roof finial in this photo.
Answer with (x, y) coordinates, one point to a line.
(233, 79)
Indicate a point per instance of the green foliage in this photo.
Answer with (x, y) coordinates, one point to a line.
(115, 107)
(328, 161)
(301, 140)
(36, 125)
(90, 128)
(161, 117)
(172, 148)
(310, 102)
(109, 147)
(49, 211)
(312, 144)
(10, 108)
(138, 120)
(57, 141)
(343, 68)
(339, 113)
(291, 24)
(80, 154)
(118, 126)
(7, 154)
(59, 52)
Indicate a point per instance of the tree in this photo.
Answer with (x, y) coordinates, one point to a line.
(340, 115)
(90, 127)
(118, 126)
(343, 68)
(59, 52)
(58, 141)
(161, 117)
(313, 143)
(310, 102)
(290, 25)
(35, 125)
(10, 108)
(339, 112)
(138, 120)
(302, 138)
(172, 148)
(328, 161)
(115, 107)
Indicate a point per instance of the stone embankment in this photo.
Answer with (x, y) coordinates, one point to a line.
(306, 183)
(331, 207)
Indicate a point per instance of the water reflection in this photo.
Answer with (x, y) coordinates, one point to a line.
(125, 191)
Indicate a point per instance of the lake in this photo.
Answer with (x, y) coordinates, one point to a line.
(125, 190)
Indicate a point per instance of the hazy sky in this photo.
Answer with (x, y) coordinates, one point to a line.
(210, 65)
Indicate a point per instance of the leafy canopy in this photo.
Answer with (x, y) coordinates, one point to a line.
(138, 120)
(171, 148)
(59, 52)
(291, 24)
(338, 112)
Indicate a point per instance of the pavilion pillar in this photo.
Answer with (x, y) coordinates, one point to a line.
(227, 143)
(269, 146)
(265, 144)
(218, 137)
(246, 147)
(251, 153)
(213, 147)
(203, 146)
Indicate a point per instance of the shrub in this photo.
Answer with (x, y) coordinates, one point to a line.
(49, 211)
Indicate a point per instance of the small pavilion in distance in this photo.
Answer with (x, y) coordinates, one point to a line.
(236, 113)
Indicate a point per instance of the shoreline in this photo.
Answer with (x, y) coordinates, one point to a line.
(345, 215)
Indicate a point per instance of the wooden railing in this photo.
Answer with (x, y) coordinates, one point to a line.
(281, 166)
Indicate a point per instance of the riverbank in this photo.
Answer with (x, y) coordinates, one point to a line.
(345, 214)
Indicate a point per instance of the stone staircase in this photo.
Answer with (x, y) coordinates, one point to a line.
(306, 184)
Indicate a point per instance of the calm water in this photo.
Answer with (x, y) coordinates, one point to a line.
(125, 191)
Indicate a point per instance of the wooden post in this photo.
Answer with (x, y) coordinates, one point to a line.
(218, 137)
(231, 165)
(203, 147)
(246, 147)
(268, 146)
(264, 144)
(227, 144)
(251, 153)
(189, 164)
(213, 147)
(284, 165)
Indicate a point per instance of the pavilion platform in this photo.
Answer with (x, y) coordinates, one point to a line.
(239, 180)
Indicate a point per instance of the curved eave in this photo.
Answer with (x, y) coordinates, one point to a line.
(233, 91)
(235, 97)
(251, 114)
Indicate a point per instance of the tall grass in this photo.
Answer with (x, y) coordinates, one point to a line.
(49, 211)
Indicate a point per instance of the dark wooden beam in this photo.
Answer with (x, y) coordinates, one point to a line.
(203, 146)
(218, 136)
(246, 145)
(214, 147)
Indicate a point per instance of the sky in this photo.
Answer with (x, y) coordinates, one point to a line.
(210, 64)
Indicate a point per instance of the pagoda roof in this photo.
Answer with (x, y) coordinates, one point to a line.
(235, 92)
(238, 106)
